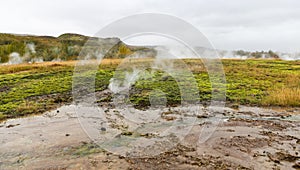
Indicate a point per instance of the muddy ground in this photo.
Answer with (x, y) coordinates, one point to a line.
(245, 138)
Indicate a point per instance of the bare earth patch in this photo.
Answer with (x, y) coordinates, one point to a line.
(243, 140)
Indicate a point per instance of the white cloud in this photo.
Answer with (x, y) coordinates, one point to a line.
(228, 24)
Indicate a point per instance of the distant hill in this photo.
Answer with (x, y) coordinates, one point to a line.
(16, 49)
(29, 48)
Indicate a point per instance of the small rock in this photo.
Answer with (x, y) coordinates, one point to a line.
(202, 116)
(57, 111)
(230, 130)
(126, 133)
(10, 126)
(103, 129)
(297, 165)
(67, 134)
(277, 161)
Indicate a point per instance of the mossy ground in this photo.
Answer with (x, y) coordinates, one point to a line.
(35, 88)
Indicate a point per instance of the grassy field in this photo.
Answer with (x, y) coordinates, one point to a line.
(35, 88)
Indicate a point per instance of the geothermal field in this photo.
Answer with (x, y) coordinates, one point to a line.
(122, 114)
(150, 85)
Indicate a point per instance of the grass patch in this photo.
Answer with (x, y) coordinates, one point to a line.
(35, 88)
(283, 97)
(286, 95)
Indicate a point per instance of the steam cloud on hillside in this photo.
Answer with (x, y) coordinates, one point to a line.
(16, 58)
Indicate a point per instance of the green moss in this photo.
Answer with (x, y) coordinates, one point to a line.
(87, 149)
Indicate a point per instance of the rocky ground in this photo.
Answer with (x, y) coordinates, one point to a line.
(243, 138)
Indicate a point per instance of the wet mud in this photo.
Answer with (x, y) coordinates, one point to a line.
(245, 138)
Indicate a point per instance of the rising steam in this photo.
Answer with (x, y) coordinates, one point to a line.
(16, 58)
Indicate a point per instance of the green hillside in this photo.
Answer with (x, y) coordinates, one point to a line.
(67, 46)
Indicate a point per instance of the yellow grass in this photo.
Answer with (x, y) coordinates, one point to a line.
(27, 106)
(17, 68)
(287, 95)
(284, 97)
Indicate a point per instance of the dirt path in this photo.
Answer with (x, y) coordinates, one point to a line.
(248, 138)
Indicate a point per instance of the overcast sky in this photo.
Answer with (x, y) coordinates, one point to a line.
(228, 24)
